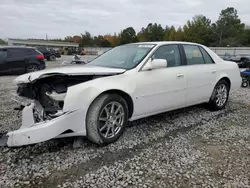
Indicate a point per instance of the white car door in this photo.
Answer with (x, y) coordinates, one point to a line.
(201, 74)
(159, 90)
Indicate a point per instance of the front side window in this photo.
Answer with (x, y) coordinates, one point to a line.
(169, 52)
(193, 55)
(3, 54)
(125, 56)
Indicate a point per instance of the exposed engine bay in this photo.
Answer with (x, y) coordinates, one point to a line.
(49, 93)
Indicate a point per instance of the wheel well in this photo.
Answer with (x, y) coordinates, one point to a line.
(227, 80)
(126, 97)
(31, 63)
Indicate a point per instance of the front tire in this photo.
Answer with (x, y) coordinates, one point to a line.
(219, 96)
(106, 119)
(52, 58)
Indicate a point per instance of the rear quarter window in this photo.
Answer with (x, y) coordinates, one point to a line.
(206, 56)
(30, 52)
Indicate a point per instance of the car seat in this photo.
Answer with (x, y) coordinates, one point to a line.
(170, 57)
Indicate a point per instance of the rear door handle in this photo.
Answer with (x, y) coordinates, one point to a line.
(180, 75)
(213, 71)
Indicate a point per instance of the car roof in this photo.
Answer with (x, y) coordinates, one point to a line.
(167, 42)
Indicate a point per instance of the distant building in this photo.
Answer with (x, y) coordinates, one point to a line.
(63, 47)
(47, 43)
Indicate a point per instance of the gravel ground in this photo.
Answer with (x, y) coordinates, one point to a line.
(191, 147)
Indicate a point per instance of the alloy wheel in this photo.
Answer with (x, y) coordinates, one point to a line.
(52, 58)
(111, 119)
(221, 95)
(32, 68)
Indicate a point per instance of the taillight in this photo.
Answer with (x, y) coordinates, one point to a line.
(40, 57)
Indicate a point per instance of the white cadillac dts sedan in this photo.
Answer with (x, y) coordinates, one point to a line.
(126, 83)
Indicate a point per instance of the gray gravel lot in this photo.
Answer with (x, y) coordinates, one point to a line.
(191, 147)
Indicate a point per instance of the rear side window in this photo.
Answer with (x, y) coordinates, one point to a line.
(193, 55)
(207, 58)
(15, 52)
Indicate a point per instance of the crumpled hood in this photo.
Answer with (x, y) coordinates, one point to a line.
(68, 70)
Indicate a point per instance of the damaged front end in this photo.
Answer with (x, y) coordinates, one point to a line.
(41, 106)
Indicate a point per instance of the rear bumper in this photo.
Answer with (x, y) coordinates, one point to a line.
(31, 132)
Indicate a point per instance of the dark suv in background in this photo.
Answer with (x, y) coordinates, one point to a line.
(241, 59)
(19, 60)
(49, 54)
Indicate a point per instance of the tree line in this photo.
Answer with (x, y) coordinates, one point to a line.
(228, 30)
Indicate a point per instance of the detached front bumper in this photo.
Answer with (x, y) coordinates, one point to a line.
(31, 132)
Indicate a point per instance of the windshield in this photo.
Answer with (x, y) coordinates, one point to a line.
(125, 56)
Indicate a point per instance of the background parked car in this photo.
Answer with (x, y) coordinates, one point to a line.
(19, 60)
(49, 55)
(227, 56)
(55, 52)
(241, 59)
(244, 60)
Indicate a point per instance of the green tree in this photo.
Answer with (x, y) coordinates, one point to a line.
(68, 39)
(198, 30)
(115, 40)
(2, 42)
(105, 43)
(247, 37)
(86, 40)
(128, 35)
(179, 35)
(172, 33)
(142, 35)
(155, 32)
(166, 33)
(228, 28)
(97, 40)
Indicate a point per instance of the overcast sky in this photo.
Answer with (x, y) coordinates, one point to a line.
(59, 18)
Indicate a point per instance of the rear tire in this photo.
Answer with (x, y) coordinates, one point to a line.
(219, 96)
(106, 119)
(31, 68)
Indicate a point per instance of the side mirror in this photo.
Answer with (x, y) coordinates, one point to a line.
(155, 64)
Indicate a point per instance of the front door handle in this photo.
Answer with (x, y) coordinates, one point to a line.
(213, 71)
(180, 75)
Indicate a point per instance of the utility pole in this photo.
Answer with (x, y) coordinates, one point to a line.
(46, 36)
